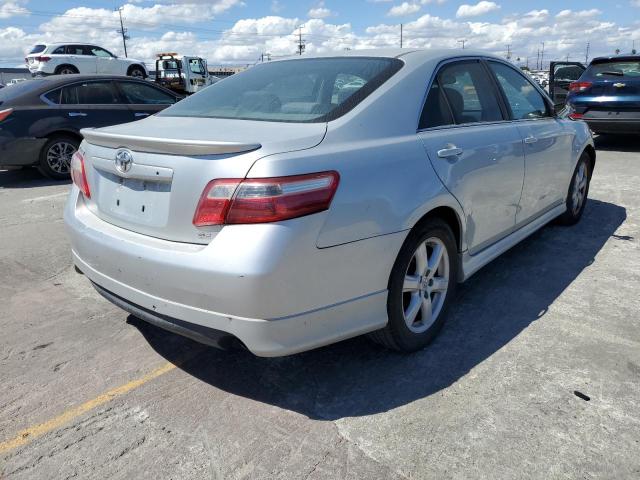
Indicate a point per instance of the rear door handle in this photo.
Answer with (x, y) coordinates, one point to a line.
(530, 139)
(77, 114)
(450, 151)
(141, 114)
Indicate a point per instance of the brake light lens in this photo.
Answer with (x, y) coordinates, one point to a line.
(43, 59)
(263, 200)
(5, 113)
(78, 173)
(579, 86)
(576, 115)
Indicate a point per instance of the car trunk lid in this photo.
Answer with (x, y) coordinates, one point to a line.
(148, 176)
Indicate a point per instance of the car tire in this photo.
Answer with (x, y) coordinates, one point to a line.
(136, 72)
(415, 277)
(578, 192)
(55, 156)
(66, 70)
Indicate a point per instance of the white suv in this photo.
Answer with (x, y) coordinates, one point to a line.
(64, 58)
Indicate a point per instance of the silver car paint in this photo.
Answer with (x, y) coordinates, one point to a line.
(270, 284)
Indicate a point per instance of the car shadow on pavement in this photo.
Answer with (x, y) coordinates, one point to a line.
(617, 143)
(356, 377)
(27, 178)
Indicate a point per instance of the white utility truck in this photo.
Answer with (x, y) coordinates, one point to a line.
(183, 74)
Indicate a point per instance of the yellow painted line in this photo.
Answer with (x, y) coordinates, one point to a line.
(31, 433)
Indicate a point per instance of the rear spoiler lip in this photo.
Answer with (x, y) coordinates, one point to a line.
(170, 146)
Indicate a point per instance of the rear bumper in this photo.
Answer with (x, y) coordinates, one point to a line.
(277, 296)
(613, 121)
(20, 151)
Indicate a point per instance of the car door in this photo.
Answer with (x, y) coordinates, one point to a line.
(80, 57)
(93, 104)
(143, 98)
(474, 151)
(547, 143)
(106, 62)
(561, 74)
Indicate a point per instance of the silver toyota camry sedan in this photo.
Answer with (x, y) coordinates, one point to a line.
(309, 200)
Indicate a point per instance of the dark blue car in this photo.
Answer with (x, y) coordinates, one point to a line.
(607, 95)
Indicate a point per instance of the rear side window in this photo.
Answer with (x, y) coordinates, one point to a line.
(612, 69)
(140, 93)
(289, 90)
(523, 98)
(54, 96)
(89, 93)
(436, 112)
(38, 49)
(469, 93)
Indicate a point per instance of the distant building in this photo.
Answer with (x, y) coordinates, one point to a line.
(221, 72)
(7, 74)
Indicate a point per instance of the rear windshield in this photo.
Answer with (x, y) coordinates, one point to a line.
(309, 90)
(626, 68)
(18, 89)
(37, 49)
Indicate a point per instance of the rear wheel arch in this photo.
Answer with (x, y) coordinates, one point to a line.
(450, 217)
(136, 66)
(589, 150)
(65, 133)
(65, 66)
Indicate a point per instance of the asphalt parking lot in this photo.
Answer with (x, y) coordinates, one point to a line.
(87, 391)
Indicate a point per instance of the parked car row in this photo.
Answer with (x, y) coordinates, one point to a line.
(40, 120)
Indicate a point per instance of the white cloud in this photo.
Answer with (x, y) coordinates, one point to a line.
(320, 11)
(405, 8)
(476, 10)
(9, 8)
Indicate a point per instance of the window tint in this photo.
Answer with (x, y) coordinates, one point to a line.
(288, 91)
(469, 92)
(98, 93)
(141, 93)
(523, 98)
(58, 51)
(53, 97)
(99, 52)
(567, 73)
(76, 50)
(37, 49)
(436, 112)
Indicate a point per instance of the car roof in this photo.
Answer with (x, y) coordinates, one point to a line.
(409, 55)
(621, 57)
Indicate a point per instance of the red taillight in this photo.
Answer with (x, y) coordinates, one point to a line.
(576, 115)
(78, 173)
(579, 86)
(5, 113)
(43, 59)
(262, 200)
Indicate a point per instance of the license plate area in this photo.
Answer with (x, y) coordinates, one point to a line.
(133, 200)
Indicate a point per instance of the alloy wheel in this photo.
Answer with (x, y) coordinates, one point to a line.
(425, 285)
(67, 71)
(137, 73)
(59, 156)
(579, 188)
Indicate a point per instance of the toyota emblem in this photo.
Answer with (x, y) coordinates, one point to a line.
(124, 160)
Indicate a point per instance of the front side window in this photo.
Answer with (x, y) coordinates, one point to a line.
(289, 91)
(99, 52)
(140, 93)
(195, 66)
(523, 98)
(469, 93)
(89, 93)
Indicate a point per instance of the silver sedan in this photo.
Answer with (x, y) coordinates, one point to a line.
(309, 200)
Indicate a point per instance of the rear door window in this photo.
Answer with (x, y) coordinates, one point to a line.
(58, 51)
(90, 93)
(523, 98)
(436, 111)
(76, 50)
(140, 93)
(469, 93)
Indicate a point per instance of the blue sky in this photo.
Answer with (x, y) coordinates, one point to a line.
(238, 31)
